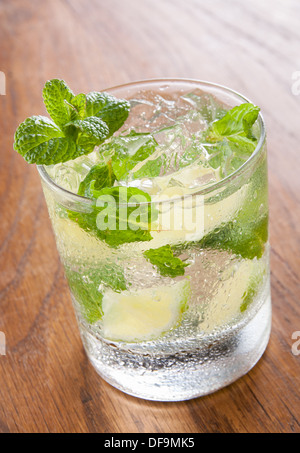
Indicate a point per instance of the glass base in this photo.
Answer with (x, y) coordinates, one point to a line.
(187, 374)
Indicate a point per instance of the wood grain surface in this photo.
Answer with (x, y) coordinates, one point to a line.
(46, 381)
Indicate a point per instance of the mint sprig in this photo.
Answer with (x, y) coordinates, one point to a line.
(237, 121)
(230, 141)
(78, 124)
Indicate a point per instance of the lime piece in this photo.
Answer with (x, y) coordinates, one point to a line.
(238, 288)
(145, 314)
(198, 219)
(77, 245)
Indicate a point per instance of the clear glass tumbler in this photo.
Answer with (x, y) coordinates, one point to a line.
(172, 332)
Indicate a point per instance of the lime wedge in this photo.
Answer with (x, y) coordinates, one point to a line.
(145, 314)
(209, 216)
(238, 288)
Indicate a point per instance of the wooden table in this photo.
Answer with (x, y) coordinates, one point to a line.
(46, 381)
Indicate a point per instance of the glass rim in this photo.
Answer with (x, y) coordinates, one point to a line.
(71, 196)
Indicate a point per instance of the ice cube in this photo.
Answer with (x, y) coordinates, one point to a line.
(70, 174)
(154, 111)
(206, 105)
(65, 176)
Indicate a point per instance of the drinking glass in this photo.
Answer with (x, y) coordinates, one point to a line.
(176, 333)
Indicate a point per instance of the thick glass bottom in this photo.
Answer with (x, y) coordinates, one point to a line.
(186, 374)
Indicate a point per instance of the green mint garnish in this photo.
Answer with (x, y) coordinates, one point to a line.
(87, 293)
(150, 169)
(236, 122)
(123, 216)
(39, 137)
(245, 235)
(77, 125)
(130, 217)
(230, 141)
(132, 224)
(58, 101)
(112, 111)
(244, 239)
(126, 151)
(87, 289)
(167, 264)
(99, 176)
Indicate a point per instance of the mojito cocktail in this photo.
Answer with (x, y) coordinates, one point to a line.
(162, 228)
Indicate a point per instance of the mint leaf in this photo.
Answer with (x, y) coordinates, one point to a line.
(90, 132)
(248, 120)
(245, 235)
(230, 140)
(34, 131)
(87, 288)
(238, 120)
(128, 219)
(244, 239)
(167, 264)
(87, 294)
(57, 95)
(39, 140)
(91, 127)
(112, 111)
(99, 176)
(150, 169)
(229, 155)
(126, 151)
(120, 215)
(78, 106)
